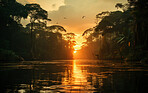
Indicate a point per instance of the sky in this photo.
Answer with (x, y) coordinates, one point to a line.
(69, 13)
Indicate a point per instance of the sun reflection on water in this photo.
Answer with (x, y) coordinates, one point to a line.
(78, 75)
(74, 76)
(75, 79)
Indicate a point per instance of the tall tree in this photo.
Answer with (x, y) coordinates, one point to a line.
(139, 11)
(36, 14)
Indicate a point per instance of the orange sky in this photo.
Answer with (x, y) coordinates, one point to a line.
(69, 13)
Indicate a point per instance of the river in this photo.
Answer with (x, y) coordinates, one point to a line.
(73, 76)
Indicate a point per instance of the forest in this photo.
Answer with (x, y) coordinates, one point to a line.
(118, 35)
(35, 41)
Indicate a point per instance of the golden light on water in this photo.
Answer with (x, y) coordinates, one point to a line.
(75, 76)
(75, 79)
(78, 75)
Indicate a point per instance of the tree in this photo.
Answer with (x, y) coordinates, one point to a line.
(139, 11)
(56, 28)
(36, 14)
(69, 37)
(11, 14)
(124, 7)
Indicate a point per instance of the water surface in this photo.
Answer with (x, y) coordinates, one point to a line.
(73, 76)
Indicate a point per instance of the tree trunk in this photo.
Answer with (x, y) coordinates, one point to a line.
(32, 53)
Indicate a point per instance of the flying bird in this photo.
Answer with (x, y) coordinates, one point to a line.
(83, 17)
(65, 18)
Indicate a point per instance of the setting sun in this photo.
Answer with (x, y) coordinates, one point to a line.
(75, 51)
(73, 46)
(77, 47)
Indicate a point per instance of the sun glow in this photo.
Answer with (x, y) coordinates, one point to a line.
(77, 47)
(75, 51)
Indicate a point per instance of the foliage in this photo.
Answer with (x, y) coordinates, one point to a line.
(8, 55)
(45, 42)
(36, 12)
(139, 11)
(120, 34)
(56, 27)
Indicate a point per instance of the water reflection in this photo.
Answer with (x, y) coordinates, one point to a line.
(79, 75)
(73, 76)
(75, 79)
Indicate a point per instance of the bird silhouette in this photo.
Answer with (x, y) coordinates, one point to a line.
(65, 18)
(83, 17)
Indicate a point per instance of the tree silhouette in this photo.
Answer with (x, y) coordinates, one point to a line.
(139, 11)
(56, 28)
(36, 14)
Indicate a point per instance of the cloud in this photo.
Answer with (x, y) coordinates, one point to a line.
(23, 1)
(73, 10)
(49, 5)
(68, 13)
(69, 17)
